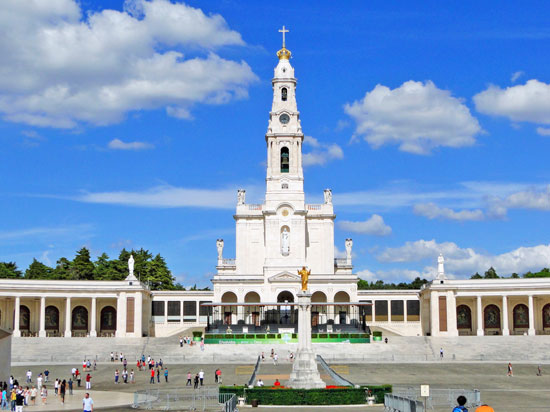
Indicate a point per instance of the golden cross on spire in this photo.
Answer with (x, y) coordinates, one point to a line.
(283, 30)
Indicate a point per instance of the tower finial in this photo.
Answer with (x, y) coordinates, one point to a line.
(283, 30)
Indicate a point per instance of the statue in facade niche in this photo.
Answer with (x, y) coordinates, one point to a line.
(219, 246)
(328, 196)
(241, 196)
(131, 265)
(304, 275)
(285, 242)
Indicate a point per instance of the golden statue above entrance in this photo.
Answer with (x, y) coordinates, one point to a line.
(304, 274)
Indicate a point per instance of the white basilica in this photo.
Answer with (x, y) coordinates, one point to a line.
(255, 291)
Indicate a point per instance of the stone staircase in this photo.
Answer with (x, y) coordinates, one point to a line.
(529, 349)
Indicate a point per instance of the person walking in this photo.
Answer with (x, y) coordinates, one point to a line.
(132, 377)
(196, 381)
(510, 371)
(29, 376)
(152, 380)
(188, 379)
(125, 375)
(46, 375)
(44, 394)
(201, 377)
(275, 359)
(70, 383)
(441, 353)
(116, 376)
(158, 375)
(112, 357)
(87, 403)
(62, 389)
(34, 393)
(181, 342)
(56, 387)
(4, 398)
(39, 380)
(461, 400)
(88, 381)
(19, 401)
(166, 375)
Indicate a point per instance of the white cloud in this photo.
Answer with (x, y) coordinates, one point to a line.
(117, 144)
(531, 198)
(367, 275)
(522, 103)
(321, 153)
(341, 254)
(64, 66)
(543, 131)
(373, 226)
(464, 262)
(45, 232)
(433, 211)
(515, 76)
(417, 116)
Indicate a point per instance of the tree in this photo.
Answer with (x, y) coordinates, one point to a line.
(514, 276)
(63, 269)
(491, 274)
(9, 270)
(158, 275)
(106, 269)
(82, 265)
(476, 276)
(38, 270)
(544, 273)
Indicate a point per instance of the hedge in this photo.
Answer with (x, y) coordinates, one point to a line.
(197, 333)
(284, 396)
(377, 333)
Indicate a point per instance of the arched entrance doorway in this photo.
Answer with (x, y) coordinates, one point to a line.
(24, 319)
(252, 311)
(286, 312)
(80, 319)
(342, 311)
(521, 316)
(464, 318)
(229, 312)
(318, 312)
(491, 319)
(52, 319)
(107, 322)
(546, 316)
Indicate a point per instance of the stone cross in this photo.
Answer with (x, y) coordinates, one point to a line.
(283, 30)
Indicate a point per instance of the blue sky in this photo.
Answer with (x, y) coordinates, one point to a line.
(132, 124)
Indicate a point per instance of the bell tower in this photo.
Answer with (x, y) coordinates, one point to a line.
(284, 137)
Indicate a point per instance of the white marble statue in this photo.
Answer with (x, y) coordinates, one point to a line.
(131, 265)
(241, 196)
(349, 246)
(219, 245)
(440, 267)
(285, 242)
(328, 196)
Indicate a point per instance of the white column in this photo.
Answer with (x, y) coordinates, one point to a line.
(181, 312)
(121, 315)
(389, 310)
(138, 308)
(479, 317)
(452, 327)
(505, 327)
(531, 316)
(93, 331)
(404, 311)
(16, 331)
(42, 330)
(373, 311)
(434, 313)
(198, 312)
(68, 317)
(166, 312)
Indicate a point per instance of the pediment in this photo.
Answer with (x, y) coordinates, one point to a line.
(284, 277)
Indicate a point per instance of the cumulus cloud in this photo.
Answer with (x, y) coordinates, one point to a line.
(433, 211)
(543, 131)
(463, 262)
(373, 226)
(63, 65)
(529, 102)
(321, 153)
(417, 116)
(531, 198)
(117, 144)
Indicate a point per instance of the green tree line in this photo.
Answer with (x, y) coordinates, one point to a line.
(380, 284)
(148, 268)
(491, 273)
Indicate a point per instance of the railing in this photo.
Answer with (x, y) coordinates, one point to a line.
(254, 207)
(256, 369)
(442, 398)
(340, 381)
(203, 399)
(399, 403)
(314, 207)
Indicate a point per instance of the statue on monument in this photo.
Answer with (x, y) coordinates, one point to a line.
(241, 196)
(328, 196)
(304, 274)
(440, 267)
(131, 265)
(285, 242)
(349, 245)
(219, 246)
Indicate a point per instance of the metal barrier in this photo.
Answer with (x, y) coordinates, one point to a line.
(441, 398)
(398, 403)
(256, 369)
(204, 399)
(335, 377)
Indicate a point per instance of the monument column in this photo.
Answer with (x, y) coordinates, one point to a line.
(17, 314)
(531, 330)
(42, 330)
(93, 331)
(505, 326)
(68, 317)
(479, 317)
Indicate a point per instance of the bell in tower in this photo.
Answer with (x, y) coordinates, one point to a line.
(285, 160)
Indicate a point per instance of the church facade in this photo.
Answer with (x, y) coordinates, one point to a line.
(255, 290)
